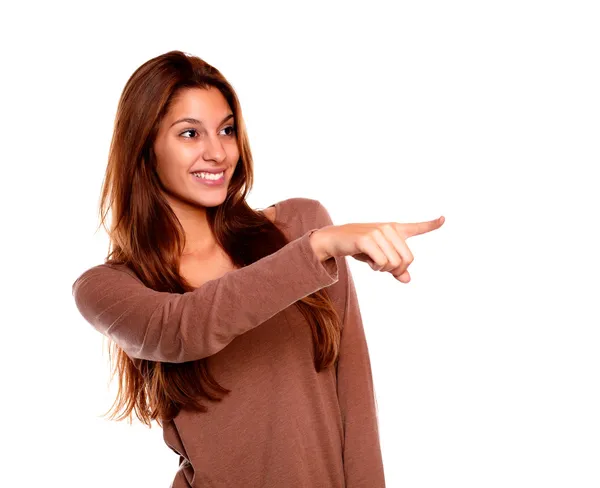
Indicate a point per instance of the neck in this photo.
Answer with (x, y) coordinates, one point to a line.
(199, 239)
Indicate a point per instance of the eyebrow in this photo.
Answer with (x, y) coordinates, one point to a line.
(196, 121)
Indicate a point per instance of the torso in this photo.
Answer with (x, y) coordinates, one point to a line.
(198, 271)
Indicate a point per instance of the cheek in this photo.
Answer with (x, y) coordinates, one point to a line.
(170, 173)
(162, 168)
(234, 152)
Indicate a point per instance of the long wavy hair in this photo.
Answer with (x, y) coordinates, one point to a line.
(146, 236)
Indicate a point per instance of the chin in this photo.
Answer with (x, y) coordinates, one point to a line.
(209, 200)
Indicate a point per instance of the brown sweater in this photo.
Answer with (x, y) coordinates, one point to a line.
(283, 425)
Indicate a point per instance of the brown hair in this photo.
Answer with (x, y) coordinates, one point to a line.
(146, 235)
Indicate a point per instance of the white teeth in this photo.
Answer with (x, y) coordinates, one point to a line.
(209, 176)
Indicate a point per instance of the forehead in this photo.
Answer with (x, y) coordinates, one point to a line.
(205, 104)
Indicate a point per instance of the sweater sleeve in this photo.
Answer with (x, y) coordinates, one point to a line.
(175, 327)
(363, 463)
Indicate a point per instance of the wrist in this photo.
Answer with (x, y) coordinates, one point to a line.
(316, 242)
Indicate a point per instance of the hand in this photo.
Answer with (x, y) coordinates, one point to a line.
(380, 244)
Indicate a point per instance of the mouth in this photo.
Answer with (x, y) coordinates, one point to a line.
(209, 177)
(210, 170)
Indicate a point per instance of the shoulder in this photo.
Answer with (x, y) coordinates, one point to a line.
(306, 212)
(296, 215)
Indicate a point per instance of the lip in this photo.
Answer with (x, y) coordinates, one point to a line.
(206, 182)
(212, 170)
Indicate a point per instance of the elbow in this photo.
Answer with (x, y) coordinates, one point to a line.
(168, 348)
(172, 352)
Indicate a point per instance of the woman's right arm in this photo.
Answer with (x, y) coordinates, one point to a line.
(173, 327)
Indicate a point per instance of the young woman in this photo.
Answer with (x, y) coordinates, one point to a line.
(237, 330)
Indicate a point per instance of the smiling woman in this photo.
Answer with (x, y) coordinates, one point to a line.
(226, 326)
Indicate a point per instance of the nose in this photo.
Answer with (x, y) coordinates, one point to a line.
(213, 149)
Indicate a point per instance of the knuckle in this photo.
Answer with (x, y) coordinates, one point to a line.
(363, 239)
(375, 232)
(382, 261)
(396, 263)
(398, 227)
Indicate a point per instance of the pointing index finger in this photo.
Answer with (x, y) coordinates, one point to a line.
(418, 228)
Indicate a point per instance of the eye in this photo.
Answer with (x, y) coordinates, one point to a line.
(232, 130)
(188, 130)
(232, 133)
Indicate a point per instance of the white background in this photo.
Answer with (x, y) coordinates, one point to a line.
(486, 365)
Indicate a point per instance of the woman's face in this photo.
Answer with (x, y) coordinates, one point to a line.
(185, 147)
